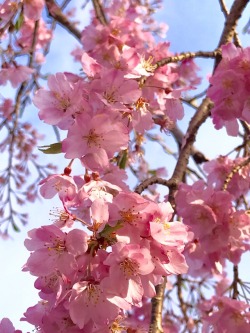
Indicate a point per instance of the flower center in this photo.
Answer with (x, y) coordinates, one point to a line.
(109, 96)
(93, 139)
(129, 267)
(93, 293)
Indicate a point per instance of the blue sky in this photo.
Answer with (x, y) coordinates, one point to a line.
(193, 25)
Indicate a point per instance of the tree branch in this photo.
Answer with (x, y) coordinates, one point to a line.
(55, 11)
(226, 12)
(235, 282)
(188, 55)
(99, 12)
(154, 180)
(233, 172)
(195, 123)
(231, 21)
(157, 304)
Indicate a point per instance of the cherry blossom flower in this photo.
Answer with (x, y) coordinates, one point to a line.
(62, 185)
(54, 249)
(91, 135)
(59, 104)
(91, 297)
(128, 264)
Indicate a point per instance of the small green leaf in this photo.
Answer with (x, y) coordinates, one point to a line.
(152, 172)
(15, 227)
(19, 22)
(123, 161)
(54, 148)
(108, 229)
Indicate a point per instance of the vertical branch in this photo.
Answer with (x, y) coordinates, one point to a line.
(235, 282)
(157, 305)
(183, 306)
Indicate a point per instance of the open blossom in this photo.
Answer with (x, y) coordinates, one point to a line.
(53, 249)
(62, 185)
(128, 265)
(114, 90)
(91, 297)
(229, 89)
(171, 234)
(220, 232)
(8, 9)
(93, 134)
(63, 99)
(56, 319)
(53, 287)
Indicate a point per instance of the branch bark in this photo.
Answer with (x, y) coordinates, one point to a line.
(188, 55)
(225, 12)
(55, 11)
(99, 12)
(157, 304)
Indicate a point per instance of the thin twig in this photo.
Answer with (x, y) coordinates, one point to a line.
(182, 303)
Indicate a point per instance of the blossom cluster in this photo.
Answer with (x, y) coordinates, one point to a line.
(225, 315)
(230, 89)
(219, 234)
(89, 277)
(95, 276)
(98, 264)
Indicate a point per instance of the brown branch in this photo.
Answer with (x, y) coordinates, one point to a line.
(226, 12)
(157, 304)
(235, 282)
(99, 12)
(198, 156)
(154, 180)
(183, 305)
(195, 123)
(223, 7)
(232, 20)
(188, 55)
(233, 172)
(33, 44)
(55, 11)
